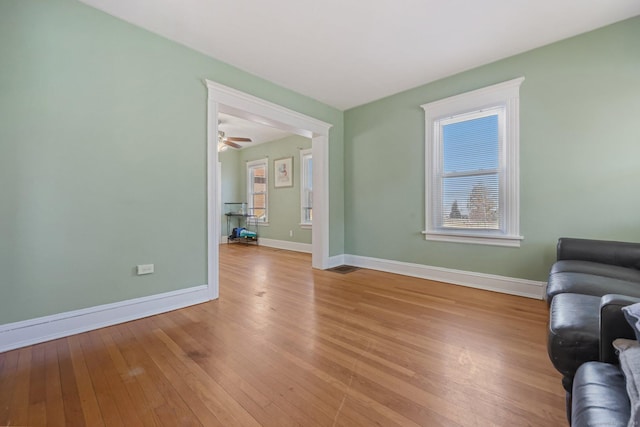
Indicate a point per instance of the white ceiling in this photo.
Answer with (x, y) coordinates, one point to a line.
(259, 133)
(349, 52)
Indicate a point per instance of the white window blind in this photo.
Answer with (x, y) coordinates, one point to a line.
(469, 178)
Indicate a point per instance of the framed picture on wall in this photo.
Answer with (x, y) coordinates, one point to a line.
(283, 172)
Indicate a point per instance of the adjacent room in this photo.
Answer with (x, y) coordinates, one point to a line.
(331, 214)
(266, 185)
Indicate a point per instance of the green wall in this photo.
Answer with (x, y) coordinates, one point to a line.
(103, 158)
(579, 167)
(284, 203)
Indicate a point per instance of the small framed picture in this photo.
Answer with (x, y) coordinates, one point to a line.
(283, 172)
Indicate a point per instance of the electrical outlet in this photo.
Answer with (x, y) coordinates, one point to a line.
(290, 233)
(145, 269)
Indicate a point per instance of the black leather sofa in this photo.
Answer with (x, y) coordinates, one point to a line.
(588, 285)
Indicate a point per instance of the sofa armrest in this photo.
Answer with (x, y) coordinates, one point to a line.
(623, 254)
(613, 324)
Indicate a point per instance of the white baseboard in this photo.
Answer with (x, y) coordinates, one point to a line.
(490, 282)
(336, 261)
(34, 331)
(286, 245)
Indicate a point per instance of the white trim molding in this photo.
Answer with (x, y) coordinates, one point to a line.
(286, 245)
(306, 248)
(489, 282)
(41, 329)
(510, 242)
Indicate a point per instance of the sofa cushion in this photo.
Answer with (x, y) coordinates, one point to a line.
(597, 269)
(599, 396)
(624, 254)
(591, 278)
(632, 314)
(574, 332)
(629, 353)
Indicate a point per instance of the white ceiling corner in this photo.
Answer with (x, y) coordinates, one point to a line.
(348, 52)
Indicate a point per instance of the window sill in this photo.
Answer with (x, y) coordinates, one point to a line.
(485, 239)
(306, 226)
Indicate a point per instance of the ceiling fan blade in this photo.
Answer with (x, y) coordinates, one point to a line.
(236, 139)
(231, 144)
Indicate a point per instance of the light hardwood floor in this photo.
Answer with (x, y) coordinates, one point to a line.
(286, 345)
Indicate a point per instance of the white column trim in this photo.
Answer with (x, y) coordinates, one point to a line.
(214, 217)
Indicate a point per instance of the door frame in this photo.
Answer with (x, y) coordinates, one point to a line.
(223, 99)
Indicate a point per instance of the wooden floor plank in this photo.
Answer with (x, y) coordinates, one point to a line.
(54, 402)
(287, 345)
(89, 402)
(242, 382)
(18, 411)
(273, 379)
(142, 372)
(181, 407)
(9, 378)
(226, 409)
(71, 398)
(37, 387)
(109, 394)
(134, 409)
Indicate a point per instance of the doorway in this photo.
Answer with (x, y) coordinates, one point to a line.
(222, 99)
(266, 173)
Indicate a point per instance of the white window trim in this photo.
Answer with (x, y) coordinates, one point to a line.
(506, 94)
(251, 164)
(303, 153)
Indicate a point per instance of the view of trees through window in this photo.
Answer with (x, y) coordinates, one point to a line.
(481, 210)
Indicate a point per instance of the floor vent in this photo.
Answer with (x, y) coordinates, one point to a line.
(344, 269)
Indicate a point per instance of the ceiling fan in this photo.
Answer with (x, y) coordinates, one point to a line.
(229, 141)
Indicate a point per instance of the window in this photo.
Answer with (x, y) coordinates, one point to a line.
(472, 156)
(306, 187)
(257, 189)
